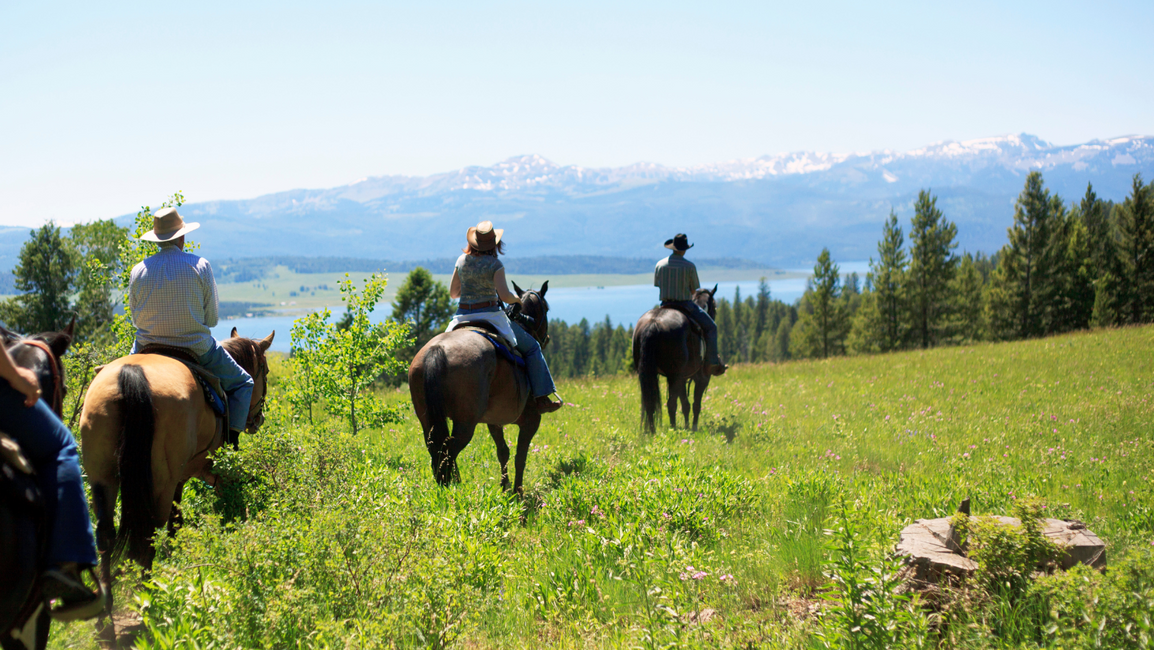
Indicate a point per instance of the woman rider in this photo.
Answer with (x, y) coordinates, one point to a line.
(479, 284)
(50, 447)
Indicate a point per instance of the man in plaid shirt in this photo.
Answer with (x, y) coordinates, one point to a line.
(173, 299)
(676, 277)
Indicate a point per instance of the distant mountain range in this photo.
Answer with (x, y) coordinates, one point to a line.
(774, 210)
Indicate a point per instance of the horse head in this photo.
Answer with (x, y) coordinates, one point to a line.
(534, 305)
(250, 355)
(43, 354)
(704, 299)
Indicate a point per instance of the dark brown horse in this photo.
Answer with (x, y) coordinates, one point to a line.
(24, 617)
(459, 376)
(664, 343)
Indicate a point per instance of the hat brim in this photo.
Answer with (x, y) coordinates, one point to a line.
(471, 236)
(153, 237)
(669, 244)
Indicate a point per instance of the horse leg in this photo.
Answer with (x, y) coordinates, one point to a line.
(176, 520)
(683, 396)
(462, 435)
(676, 386)
(104, 504)
(699, 386)
(498, 434)
(526, 428)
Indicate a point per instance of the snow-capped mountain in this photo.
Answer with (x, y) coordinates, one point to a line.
(779, 209)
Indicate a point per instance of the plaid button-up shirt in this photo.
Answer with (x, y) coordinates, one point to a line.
(173, 300)
(676, 277)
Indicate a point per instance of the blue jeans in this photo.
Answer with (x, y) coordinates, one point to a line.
(540, 379)
(51, 449)
(700, 317)
(237, 383)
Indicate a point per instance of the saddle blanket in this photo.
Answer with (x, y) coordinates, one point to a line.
(502, 349)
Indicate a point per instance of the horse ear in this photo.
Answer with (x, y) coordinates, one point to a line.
(58, 342)
(714, 292)
(234, 334)
(544, 288)
(266, 342)
(517, 289)
(71, 327)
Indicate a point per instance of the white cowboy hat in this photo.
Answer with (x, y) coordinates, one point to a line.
(167, 225)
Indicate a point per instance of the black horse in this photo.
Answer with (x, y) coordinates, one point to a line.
(665, 342)
(24, 616)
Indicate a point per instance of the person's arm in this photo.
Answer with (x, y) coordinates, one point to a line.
(455, 286)
(211, 299)
(502, 287)
(22, 379)
(693, 281)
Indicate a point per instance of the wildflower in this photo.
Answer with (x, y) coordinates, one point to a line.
(966, 455)
(731, 581)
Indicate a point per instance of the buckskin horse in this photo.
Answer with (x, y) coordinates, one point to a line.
(24, 617)
(147, 429)
(666, 343)
(460, 376)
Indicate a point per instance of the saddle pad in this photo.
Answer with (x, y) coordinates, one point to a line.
(502, 349)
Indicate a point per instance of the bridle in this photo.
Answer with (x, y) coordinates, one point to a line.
(541, 331)
(255, 418)
(57, 376)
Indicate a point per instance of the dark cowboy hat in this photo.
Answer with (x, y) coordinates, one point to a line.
(679, 243)
(484, 237)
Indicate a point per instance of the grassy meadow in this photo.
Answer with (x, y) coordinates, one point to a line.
(708, 539)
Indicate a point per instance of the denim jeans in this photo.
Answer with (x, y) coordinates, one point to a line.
(237, 383)
(700, 317)
(540, 380)
(51, 449)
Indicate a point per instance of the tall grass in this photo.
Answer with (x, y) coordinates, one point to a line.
(682, 539)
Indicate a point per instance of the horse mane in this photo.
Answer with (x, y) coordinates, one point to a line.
(244, 351)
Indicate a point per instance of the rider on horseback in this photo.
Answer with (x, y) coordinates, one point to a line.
(677, 279)
(479, 283)
(173, 299)
(49, 445)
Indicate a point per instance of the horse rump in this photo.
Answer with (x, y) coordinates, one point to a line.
(645, 361)
(138, 425)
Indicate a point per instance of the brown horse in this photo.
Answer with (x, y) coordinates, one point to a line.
(459, 376)
(24, 617)
(146, 430)
(664, 343)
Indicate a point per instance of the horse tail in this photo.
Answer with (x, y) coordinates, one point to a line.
(436, 372)
(138, 425)
(645, 360)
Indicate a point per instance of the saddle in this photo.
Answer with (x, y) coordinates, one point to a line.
(214, 395)
(693, 326)
(489, 332)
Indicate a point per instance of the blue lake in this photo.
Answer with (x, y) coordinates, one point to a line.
(622, 304)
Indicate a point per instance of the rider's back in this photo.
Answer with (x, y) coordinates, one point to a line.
(173, 299)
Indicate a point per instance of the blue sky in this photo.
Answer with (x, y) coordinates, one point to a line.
(103, 109)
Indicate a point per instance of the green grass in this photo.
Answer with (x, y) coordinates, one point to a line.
(325, 540)
(281, 282)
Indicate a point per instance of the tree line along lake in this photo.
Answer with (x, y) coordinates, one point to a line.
(623, 298)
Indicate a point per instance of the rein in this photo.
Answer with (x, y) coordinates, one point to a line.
(57, 379)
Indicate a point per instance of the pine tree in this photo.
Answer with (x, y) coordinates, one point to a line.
(1071, 300)
(1028, 274)
(822, 323)
(781, 341)
(1136, 252)
(888, 278)
(969, 317)
(932, 268)
(45, 274)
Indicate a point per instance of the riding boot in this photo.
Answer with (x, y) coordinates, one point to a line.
(546, 405)
(76, 600)
(233, 438)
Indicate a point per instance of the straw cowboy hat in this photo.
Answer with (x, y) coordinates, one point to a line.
(167, 225)
(484, 237)
(679, 243)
